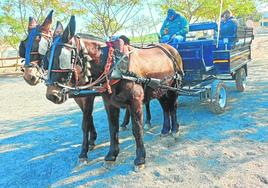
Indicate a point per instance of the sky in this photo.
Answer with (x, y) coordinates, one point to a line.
(144, 11)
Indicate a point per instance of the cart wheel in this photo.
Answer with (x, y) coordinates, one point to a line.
(240, 79)
(218, 97)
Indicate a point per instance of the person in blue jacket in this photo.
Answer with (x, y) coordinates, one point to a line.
(174, 28)
(228, 28)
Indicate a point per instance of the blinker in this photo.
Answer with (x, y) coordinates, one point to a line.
(65, 59)
(43, 46)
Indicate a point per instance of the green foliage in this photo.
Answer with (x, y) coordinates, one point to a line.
(15, 13)
(108, 17)
(146, 39)
(195, 10)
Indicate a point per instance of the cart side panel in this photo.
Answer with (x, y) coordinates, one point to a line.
(222, 61)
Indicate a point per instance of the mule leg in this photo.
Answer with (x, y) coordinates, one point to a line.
(148, 115)
(92, 130)
(113, 118)
(173, 114)
(86, 105)
(126, 120)
(166, 112)
(136, 111)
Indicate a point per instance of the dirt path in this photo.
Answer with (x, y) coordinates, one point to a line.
(40, 141)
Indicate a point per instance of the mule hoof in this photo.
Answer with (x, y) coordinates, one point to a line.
(139, 161)
(83, 161)
(164, 135)
(147, 126)
(91, 147)
(108, 164)
(139, 167)
(110, 158)
(176, 135)
(83, 156)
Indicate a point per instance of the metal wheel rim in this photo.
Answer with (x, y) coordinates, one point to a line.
(222, 97)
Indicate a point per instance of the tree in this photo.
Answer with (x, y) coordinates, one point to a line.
(140, 26)
(15, 13)
(109, 16)
(195, 10)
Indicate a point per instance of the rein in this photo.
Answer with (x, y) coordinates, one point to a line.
(107, 71)
(104, 75)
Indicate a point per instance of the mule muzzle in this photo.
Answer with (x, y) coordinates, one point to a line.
(31, 79)
(55, 95)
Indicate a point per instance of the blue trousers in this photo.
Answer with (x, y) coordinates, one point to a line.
(172, 41)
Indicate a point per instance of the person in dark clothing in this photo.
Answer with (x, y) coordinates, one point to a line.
(174, 28)
(228, 28)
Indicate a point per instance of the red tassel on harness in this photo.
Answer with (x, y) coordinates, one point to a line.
(108, 66)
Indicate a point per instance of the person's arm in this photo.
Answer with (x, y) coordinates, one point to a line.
(184, 28)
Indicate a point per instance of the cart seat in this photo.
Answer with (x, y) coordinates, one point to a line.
(197, 54)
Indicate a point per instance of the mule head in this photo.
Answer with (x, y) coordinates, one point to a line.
(34, 47)
(60, 62)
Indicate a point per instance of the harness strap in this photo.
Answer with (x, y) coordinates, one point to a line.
(105, 86)
(34, 53)
(174, 61)
(61, 70)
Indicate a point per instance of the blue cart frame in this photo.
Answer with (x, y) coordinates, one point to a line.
(206, 65)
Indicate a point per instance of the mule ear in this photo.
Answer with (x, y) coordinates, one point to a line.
(69, 30)
(47, 22)
(59, 29)
(32, 23)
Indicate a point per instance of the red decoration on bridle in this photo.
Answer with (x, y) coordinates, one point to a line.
(108, 66)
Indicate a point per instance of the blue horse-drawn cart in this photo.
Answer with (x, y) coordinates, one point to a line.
(207, 64)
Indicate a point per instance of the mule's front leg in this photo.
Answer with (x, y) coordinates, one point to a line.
(136, 111)
(92, 130)
(126, 120)
(86, 105)
(113, 118)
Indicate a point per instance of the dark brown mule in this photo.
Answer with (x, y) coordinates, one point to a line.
(162, 62)
(33, 73)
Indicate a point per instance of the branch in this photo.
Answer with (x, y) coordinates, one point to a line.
(21, 18)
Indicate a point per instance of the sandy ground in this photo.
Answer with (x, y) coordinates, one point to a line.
(40, 141)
